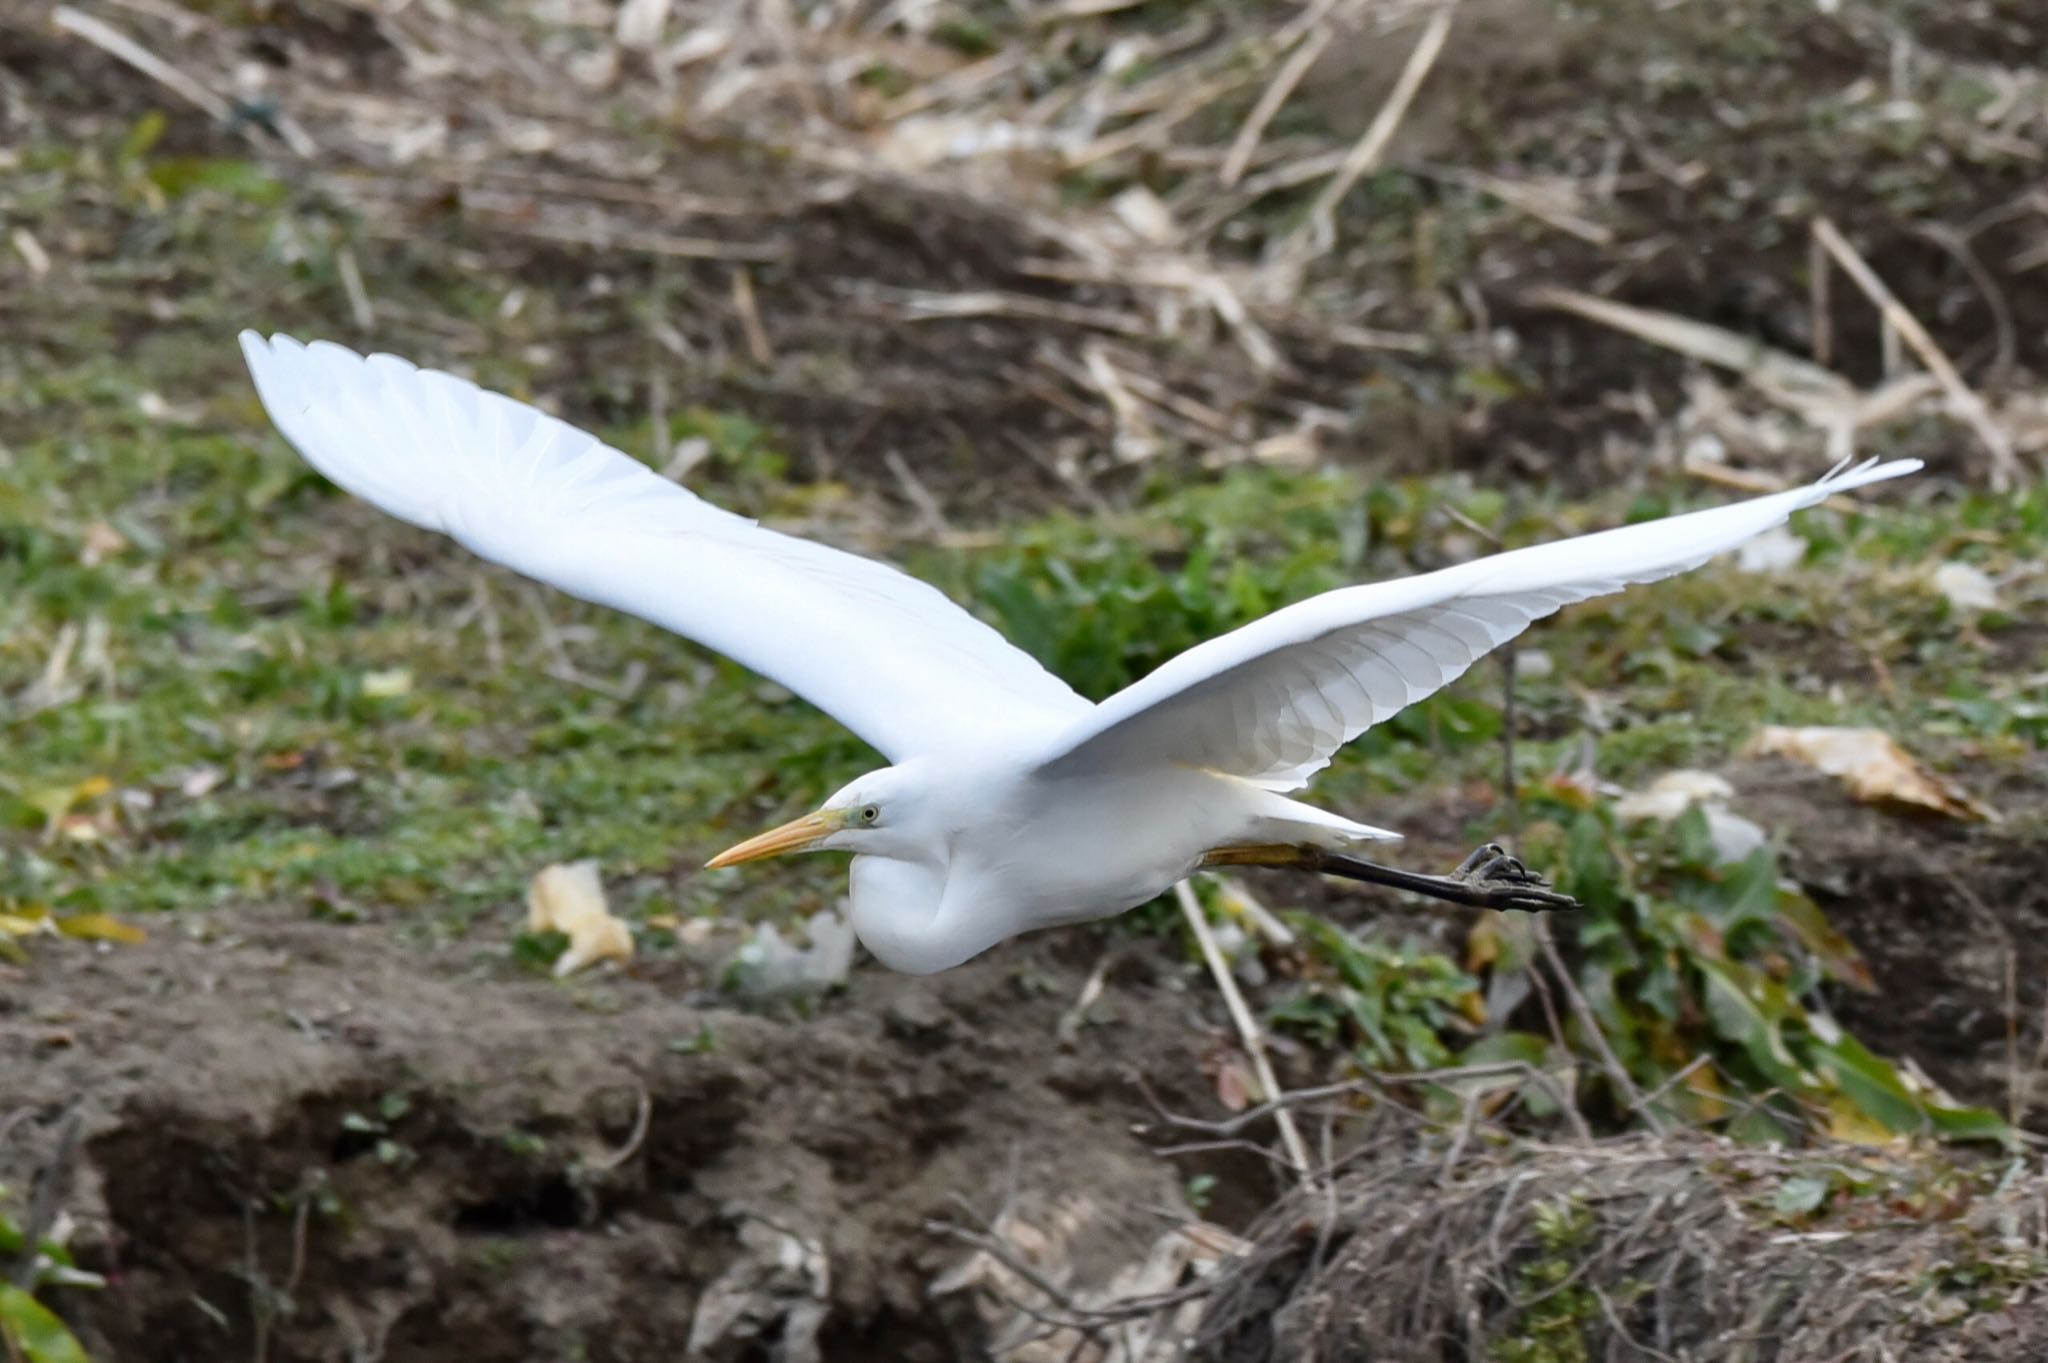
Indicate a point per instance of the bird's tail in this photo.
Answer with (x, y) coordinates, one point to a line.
(1290, 822)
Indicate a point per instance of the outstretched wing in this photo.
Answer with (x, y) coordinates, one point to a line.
(887, 655)
(1272, 701)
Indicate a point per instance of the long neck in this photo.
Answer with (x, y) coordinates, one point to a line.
(896, 912)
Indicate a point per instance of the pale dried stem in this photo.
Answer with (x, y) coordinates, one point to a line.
(1270, 101)
(2005, 467)
(1248, 1029)
(187, 87)
(1319, 232)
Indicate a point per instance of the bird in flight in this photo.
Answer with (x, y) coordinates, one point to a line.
(1009, 802)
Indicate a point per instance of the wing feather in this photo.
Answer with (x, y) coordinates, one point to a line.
(1274, 700)
(887, 655)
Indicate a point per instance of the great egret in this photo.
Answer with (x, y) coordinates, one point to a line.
(1010, 803)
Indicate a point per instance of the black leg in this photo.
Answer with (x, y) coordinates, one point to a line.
(1488, 879)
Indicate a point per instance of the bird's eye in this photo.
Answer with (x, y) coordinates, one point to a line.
(869, 814)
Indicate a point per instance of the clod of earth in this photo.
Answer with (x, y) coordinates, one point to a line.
(325, 1138)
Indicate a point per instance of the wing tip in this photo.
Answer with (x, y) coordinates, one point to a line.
(270, 359)
(1845, 477)
(256, 351)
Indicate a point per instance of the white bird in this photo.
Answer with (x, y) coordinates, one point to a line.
(1010, 802)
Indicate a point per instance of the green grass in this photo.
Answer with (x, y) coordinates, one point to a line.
(270, 692)
(383, 721)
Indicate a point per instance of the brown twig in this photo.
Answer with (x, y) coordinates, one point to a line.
(1076, 1315)
(1070, 1023)
(123, 48)
(1549, 203)
(1378, 1084)
(1596, 1037)
(1820, 303)
(1774, 371)
(360, 310)
(643, 1113)
(750, 317)
(2004, 336)
(918, 305)
(642, 242)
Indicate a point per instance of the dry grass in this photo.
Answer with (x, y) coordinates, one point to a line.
(1648, 1248)
(1201, 296)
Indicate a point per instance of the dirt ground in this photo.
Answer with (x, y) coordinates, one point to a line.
(317, 1141)
(306, 1141)
(325, 1141)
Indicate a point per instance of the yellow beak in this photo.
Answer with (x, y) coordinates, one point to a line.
(798, 835)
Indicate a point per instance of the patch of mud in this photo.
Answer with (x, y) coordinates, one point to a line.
(1952, 917)
(309, 1142)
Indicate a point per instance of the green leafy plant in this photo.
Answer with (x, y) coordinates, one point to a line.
(1683, 960)
(30, 1330)
(33, 1330)
(1557, 1306)
(1702, 981)
(1102, 604)
(1395, 1008)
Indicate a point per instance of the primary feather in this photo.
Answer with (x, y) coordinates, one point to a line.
(888, 656)
(1271, 702)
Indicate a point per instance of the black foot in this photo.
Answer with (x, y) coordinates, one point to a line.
(1488, 879)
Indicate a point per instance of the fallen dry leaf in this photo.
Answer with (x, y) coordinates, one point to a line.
(1145, 216)
(1774, 551)
(1668, 797)
(777, 1286)
(1965, 588)
(100, 543)
(33, 919)
(101, 927)
(1872, 765)
(570, 900)
(1236, 1086)
(395, 681)
(1066, 1235)
(1671, 794)
(640, 23)
(200, 781)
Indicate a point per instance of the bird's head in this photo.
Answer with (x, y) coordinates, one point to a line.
(877, 815)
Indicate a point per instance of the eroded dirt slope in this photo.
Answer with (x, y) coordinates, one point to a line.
(309, 1141)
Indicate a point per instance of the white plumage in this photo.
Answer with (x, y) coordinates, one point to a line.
(1274, 700)
(522, 488)
(1012, 803)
